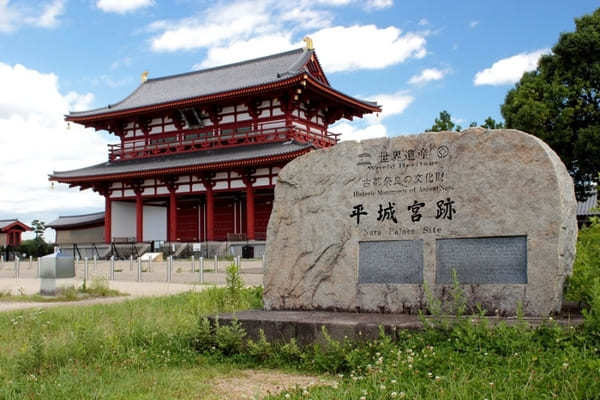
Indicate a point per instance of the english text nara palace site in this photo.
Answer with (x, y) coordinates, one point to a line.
(199, 152)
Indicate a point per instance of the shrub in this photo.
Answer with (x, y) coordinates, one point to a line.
(586, 267)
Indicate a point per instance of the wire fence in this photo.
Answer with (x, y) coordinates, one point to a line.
(189, 270)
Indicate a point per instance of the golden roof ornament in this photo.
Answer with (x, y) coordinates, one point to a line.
(309, 43)
(144, 76)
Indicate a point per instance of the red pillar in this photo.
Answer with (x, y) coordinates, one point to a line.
(210, 214)
(172, 216)
(107, 219)
(139, 217)
(250, 211)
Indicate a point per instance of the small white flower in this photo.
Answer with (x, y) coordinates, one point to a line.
(429, 374)
(394, 381)
(393, 394)
(565, 365)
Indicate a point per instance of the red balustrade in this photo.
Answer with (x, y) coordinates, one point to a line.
(188, 141)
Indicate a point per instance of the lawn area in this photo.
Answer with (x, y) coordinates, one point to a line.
(164, 348)
(157, 348)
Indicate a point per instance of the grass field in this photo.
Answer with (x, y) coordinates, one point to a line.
(156, 348)
(163, 348)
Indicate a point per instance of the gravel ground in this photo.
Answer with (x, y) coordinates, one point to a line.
(153, 282)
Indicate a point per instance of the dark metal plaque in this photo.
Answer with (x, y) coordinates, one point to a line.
(394, 261)
(499, 260)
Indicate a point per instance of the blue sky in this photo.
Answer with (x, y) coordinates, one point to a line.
(416, 58)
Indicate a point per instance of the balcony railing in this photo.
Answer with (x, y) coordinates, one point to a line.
(189, 141)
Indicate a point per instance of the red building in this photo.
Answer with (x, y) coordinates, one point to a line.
(199, 153)
(10, 232)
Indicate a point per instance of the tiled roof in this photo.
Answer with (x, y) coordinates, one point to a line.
(585, 207)
(221, 79)
(73, 220)
(198, 158)
(5, 223)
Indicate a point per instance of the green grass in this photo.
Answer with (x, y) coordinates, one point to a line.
(98, 288)
(142, 348)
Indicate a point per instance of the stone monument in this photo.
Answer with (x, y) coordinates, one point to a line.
(366, 226)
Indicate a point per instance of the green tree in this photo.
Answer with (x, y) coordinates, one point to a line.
(444, 123)
(490, 123)
(559, 102)
(38, 227)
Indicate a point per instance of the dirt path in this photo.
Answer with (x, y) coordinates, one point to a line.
(134, 289)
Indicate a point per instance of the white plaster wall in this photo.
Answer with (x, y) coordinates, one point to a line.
(155, 223)
(123, 221)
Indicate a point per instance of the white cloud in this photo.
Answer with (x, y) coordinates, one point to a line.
(242, 29)
(366, 47)
(237, 20)
(473, 24)
(353, 131)
(379, 4)
(48, 19)
(120, 63)
(392, 104)
(427, 75)
(123, 6)
(509, 70)
(13, 16)
(244, 50)
(35, 141)
(423, 22)
(371, 125)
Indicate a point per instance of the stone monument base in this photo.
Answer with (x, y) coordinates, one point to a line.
(306, 326)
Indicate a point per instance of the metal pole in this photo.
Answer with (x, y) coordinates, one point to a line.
(139, 270)
(131, 262)
(30, 261)
(85, 270)
(193, 264)
(216, 264)
(17, 267)
(201, 269)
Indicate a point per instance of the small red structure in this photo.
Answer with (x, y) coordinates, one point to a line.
(199, 152)
(10, 232)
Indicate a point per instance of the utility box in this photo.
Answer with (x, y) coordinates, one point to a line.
(52, 267)
(247, 252)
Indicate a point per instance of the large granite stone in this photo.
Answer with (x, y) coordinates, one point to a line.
(505, 191)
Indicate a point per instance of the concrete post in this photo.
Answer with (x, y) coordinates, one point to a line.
(85, 270)
(216, 263)
(193, 264)
(30, 262)
(17, 267)
(95, 260)
(112, 268)
(39, 267)
(131, 262)
(201, 269)
(139, 269)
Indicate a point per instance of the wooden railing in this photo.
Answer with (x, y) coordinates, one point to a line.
(189, 141)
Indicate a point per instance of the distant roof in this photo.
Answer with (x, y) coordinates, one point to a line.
(65, 221)
(585, 207)
(8, 223)
(256, 72)
(186, 160)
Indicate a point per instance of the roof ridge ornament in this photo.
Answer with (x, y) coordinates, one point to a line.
(144, 76)
(309, 43)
